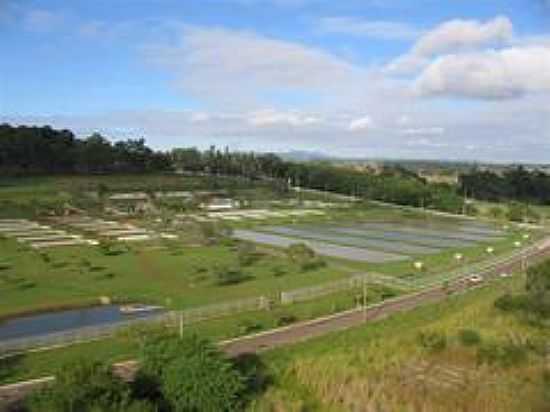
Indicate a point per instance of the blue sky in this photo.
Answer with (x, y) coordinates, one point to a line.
(458, 79)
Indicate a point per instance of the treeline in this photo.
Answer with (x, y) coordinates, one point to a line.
(43, 150)
(516, 184)
(393, 184)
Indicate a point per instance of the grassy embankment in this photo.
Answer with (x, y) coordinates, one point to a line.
(382, 366)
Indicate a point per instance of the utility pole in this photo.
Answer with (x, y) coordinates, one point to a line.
(365, 298)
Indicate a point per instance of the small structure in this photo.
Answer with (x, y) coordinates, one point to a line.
(220, 204)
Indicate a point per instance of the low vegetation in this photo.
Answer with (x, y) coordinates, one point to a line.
(177, 374)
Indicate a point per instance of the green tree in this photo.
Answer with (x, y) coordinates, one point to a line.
(246, 252)
(192, 374)
(496, 212)
(304, 256)
(538, 288)
(82, 386)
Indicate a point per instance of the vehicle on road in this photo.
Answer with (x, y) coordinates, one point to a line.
(475, 279)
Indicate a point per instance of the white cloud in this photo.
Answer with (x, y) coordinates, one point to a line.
(379, 29)
(360, 124)
(272, 117)
(464, 35)
(454, 36)
(244, 69)
(199, 117)
(404, 119)
(492, 74)
(424, 131)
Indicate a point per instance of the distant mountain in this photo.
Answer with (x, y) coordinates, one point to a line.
(303, 156)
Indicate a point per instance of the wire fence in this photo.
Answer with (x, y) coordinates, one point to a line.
(220, 310)
(198, 314)
(83, 334)
(353, 282)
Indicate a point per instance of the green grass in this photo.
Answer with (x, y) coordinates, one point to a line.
(124, 345)
(179, 277)
(368, 365)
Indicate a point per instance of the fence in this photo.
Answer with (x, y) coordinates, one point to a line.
(83, 334)
(223, 309)
(198, 314)
(354, 282)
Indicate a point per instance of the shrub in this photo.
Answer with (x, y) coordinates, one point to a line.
(83, 385)
(246, 253)
(191, 374)
(504, 354)
(4, 266)
(278, 271)
(249, 326)
(229, 276)
(432, 341)
(546, 388)
(304, 256)
(286, 319)
(469, 337)
(511, 303)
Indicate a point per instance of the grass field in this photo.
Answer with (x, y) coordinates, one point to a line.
(382, 365)
(187, 273)
(177, 277)
(125, 345)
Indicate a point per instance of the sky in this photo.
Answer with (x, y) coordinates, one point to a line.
(421, 79)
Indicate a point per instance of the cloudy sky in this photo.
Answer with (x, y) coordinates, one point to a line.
(453, 79)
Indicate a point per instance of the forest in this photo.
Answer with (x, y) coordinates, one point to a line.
(28, 151)
(516, 184)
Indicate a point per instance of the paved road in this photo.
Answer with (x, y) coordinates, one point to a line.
(306, 330)
(9, 394)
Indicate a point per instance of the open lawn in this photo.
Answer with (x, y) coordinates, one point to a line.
(178, 277)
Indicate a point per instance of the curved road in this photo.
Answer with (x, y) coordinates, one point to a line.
(10, 394)
(344, 320)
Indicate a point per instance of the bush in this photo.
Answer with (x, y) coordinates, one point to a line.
(5, 266)
(278, 271)
(304, 256)
(469, 337)
(286, 319)
(191, 374)
(504, 354)
(84, 385)
(229, 276)
(511, 303)
(249, 326)
(432, 341)
(246, 253)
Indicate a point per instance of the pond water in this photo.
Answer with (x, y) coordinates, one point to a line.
(64, 321)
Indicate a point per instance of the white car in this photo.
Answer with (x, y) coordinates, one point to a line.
(475, 279)
(505, 275)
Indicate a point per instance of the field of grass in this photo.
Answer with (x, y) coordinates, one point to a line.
(178, 277)
(24, 197)
(125, 345)
(382, 366)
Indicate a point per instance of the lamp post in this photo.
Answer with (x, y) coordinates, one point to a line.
(365, 298)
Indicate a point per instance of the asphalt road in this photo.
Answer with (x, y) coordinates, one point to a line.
(11, 394)
(318, 327)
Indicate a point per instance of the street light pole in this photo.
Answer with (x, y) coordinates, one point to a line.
(365, 298)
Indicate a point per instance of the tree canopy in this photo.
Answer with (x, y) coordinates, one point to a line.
(192, 374)
(44, 150)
